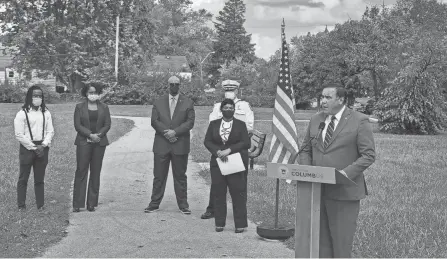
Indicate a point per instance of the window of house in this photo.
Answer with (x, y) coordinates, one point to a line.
(11, 74)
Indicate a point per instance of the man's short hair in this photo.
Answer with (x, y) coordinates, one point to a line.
(339, 91)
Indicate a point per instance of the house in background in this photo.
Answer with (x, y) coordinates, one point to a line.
(9, 75)
(171, 64)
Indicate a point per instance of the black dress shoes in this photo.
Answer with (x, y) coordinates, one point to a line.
(76, 210)
(219, 229)
(239, 230)
(91, 209)
(207, 215)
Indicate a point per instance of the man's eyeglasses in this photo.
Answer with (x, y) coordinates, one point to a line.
(227, 109)
(174, 84)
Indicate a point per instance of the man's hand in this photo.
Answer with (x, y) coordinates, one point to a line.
(95, 138)
(172, 140)
(39, 151)
(169, 134)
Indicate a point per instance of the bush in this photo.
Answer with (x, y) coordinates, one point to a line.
(12, 93)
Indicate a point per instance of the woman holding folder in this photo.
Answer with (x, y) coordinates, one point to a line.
(227, 140)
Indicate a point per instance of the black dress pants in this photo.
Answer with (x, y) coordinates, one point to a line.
(210, 207)
(236, 183)
(28, 159)
(161, 169)
(90, 155)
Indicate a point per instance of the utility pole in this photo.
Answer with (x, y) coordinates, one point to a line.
(116, 46)
(201, 72)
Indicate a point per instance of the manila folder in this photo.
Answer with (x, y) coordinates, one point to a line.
(233, 165)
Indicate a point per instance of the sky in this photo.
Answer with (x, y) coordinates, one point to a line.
(264, 17)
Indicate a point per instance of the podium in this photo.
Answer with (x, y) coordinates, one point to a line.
(307, 219)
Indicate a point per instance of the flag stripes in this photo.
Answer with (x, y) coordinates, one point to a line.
(284, 144)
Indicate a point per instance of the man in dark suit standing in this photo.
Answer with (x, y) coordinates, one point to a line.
(172, 118)
(347, 144)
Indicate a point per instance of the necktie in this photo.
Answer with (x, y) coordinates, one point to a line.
(329, 132)
(172, 107)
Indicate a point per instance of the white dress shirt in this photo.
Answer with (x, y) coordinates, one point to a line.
(336, 121)
(36, 124)
(225, 129)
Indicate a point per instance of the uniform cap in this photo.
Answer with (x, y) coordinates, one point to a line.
(230, 84)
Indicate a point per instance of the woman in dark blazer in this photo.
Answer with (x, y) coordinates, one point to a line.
(227, 136)
(92, 122)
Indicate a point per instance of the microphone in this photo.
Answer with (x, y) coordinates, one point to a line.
(320, 129)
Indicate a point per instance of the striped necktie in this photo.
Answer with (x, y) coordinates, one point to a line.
(329, 132)
(172, 107)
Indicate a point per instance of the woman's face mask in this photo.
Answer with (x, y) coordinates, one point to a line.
(37, 101)
(228, 112)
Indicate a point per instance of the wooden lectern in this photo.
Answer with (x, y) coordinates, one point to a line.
(307, 222)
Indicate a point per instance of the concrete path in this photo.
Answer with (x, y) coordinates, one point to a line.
(120, 228)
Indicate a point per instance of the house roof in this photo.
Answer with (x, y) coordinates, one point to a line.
(5, 61)
(171, 63)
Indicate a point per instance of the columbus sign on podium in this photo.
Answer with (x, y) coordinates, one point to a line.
(309, 180)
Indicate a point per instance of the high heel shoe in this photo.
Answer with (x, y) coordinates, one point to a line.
(219, 229)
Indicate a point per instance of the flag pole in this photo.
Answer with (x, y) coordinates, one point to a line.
(283, 25)
(268, 231)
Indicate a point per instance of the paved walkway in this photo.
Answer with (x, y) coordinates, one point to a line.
(120, 228)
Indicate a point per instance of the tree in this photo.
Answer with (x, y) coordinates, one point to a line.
(232, 39)
(75, 39)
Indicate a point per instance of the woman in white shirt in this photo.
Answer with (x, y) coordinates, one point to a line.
(34, 130)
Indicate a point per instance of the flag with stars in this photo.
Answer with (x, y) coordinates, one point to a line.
(284, 144)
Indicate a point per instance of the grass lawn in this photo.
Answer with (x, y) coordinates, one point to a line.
(404, 215)
(27, 234)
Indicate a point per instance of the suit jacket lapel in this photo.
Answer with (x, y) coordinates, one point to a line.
(341, 124)
(167, 105)
(179, 102)
(320, 138)
(217, 131)
(230, 136)
(86, 115)
(100, 113)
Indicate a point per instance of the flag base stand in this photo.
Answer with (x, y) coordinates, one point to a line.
(275, 232)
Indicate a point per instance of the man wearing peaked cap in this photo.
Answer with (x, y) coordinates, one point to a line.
(242, 112)
(243, 109)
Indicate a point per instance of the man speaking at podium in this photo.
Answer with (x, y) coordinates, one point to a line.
(347, 144)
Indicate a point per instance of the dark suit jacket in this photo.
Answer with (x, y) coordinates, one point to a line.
(182, 122)
(82, 123)
(351, 149)
(238, 140)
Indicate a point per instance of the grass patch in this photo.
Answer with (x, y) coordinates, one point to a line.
(404, 215)
(27, 234)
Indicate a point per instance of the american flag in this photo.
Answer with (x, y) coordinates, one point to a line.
(284, 145)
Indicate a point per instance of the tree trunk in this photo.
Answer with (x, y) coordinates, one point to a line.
(376, 85)
(75, 82)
